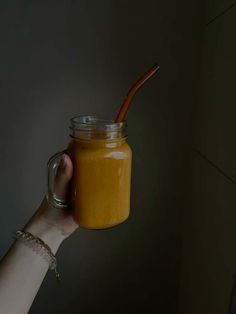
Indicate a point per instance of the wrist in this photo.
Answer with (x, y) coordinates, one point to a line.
(49, 234)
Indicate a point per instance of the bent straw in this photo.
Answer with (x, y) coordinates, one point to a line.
(133, 90)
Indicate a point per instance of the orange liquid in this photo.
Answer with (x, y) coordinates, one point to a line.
(101, 182)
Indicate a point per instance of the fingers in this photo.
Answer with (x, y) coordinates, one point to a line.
(63, 176)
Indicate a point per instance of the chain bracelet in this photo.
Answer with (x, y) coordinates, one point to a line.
(40, 247)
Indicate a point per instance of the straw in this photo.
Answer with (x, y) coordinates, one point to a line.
(133, 90)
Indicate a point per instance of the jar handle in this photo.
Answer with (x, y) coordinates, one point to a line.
(52, 166)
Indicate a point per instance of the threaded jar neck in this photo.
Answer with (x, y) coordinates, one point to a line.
(92, 127)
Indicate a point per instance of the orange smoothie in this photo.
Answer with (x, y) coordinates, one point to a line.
(101, 181)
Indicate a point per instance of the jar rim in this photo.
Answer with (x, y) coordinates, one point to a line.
(94, 126)
(91, 122)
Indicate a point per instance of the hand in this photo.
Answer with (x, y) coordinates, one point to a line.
(52, 224)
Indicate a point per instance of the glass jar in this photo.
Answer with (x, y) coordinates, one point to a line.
(100, 186)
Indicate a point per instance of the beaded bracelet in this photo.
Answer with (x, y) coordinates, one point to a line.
(40, 247)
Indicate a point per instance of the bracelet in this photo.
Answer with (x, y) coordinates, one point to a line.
(40, 247)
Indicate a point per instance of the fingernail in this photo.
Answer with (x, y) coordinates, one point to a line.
(63, 161)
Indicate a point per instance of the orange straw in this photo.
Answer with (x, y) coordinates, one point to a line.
(126, 103)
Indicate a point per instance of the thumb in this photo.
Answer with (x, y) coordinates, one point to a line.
(63, 176)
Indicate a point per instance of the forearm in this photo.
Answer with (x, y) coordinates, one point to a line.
(22, 270)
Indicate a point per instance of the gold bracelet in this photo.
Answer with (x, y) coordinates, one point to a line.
(40, 247)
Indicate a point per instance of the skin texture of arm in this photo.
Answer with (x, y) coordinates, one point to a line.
(22, 270)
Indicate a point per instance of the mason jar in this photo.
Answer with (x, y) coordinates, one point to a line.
(101, 182)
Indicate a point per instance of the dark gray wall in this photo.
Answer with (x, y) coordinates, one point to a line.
(207, 279)
(62, 58)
